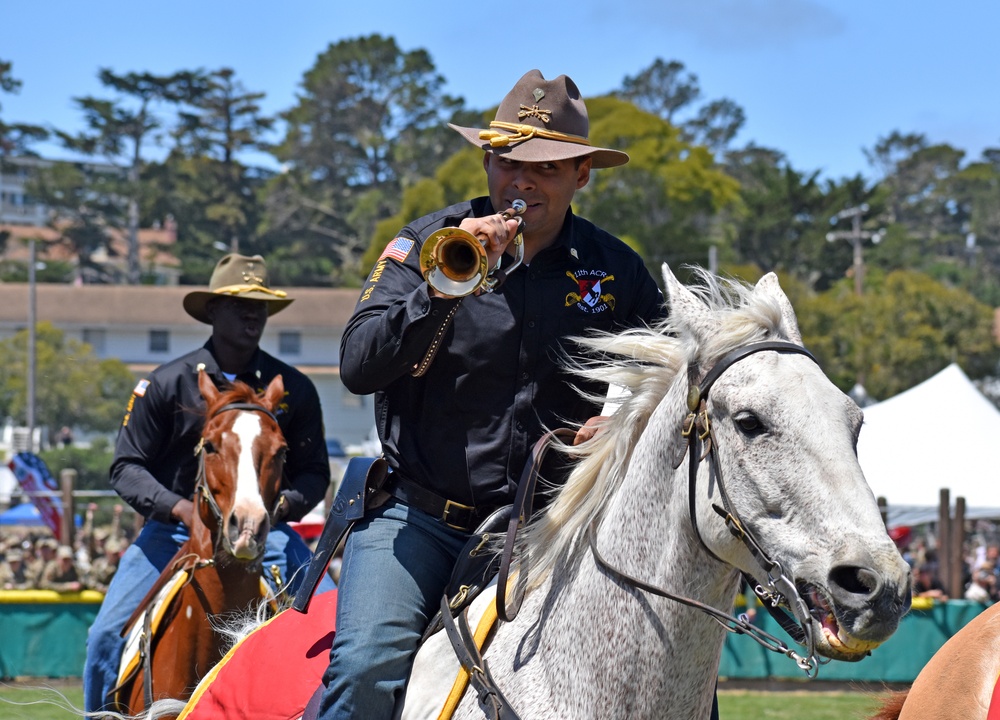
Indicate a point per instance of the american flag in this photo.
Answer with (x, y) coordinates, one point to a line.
(398, 249)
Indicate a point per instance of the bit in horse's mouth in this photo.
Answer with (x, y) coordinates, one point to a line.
(821, 609)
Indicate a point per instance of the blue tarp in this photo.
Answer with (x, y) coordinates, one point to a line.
(25, 514)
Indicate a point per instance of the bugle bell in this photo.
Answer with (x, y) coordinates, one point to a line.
(454, 261)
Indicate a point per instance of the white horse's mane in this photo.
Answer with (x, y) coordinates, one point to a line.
(646, 362)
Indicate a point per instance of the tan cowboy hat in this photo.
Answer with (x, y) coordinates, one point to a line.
(236, 276)
(542, 120)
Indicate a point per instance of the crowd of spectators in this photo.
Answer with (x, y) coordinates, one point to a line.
(981, 570)
(33, 559)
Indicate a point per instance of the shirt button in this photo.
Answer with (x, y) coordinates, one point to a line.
(525, 376)
(520, 427)
(531, 323)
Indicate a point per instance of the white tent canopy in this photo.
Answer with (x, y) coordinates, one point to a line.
(942, 433)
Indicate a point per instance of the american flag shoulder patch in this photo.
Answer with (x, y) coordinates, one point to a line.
(398, 249)
(140, 389)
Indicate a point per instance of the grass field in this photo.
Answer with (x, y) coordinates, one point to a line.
(733, 704)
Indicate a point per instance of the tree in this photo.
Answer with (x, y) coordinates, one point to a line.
(215, 199)
(88, 200)
(119, 129)
(716, 125)
(15, 139)
(74, 387)
(661, 89)
(905, 328)
(369, 121)
(669, 91)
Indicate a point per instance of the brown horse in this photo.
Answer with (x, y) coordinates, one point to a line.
(959, 681)
(217, 572)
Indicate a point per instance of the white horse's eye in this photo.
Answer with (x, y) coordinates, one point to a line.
(749, 423)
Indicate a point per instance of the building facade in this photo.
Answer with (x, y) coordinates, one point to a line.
(144, 326)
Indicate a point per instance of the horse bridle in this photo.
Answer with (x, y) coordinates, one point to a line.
(201, 486)
(778, 591)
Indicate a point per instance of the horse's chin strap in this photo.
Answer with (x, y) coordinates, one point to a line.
(779, 589)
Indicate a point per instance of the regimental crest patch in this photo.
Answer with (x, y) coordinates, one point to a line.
(592, 295)
(140, 389)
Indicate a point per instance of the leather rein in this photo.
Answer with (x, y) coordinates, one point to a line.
(778, 592)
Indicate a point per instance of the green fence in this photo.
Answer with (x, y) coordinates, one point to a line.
(44, 634)
(921, 633)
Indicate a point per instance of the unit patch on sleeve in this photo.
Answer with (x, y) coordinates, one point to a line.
(591, 296)
(140, 389)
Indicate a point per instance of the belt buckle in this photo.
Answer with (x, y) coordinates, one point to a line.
(449, 506)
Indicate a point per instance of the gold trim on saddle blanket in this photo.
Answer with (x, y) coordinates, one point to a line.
(132, 654)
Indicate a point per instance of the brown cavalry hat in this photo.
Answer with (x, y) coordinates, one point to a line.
(542, 120)
(236, 276)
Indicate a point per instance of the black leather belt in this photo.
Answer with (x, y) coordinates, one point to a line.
(451, 513)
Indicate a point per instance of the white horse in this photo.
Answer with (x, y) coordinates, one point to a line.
(588, 641)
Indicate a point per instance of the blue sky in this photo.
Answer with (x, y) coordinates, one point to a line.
(819, 79)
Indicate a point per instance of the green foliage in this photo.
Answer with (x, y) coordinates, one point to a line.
(16, 137)
(905, 328)
(369, 121)
(91, 464)
(668, 197)
(72, 386)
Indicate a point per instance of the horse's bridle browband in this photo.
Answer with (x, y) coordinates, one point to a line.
(779, 590)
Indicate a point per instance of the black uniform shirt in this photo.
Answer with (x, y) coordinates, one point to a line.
(155, 465)
(466, 427)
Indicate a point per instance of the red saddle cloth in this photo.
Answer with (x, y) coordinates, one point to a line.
(272, 673)
(994, 711)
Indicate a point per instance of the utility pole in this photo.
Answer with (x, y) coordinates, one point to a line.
(855, 236)
(32, 341)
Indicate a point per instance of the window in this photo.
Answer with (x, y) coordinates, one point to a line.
(95, 337)
(159, 341)
(289, 342)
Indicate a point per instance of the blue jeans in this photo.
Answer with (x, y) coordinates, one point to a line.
(141, 564)
(397, 564)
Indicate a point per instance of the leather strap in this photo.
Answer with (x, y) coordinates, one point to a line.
(523, 505)
(362, 480)
(491, 701)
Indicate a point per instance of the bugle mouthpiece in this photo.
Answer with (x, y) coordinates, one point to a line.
(516, 208)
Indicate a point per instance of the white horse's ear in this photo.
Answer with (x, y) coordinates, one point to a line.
(684, 305)
(686, 308)
(768, 285)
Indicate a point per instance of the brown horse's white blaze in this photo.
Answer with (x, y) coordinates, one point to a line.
(248, 523)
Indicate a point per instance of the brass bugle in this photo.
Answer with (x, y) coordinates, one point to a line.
(454, 261)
